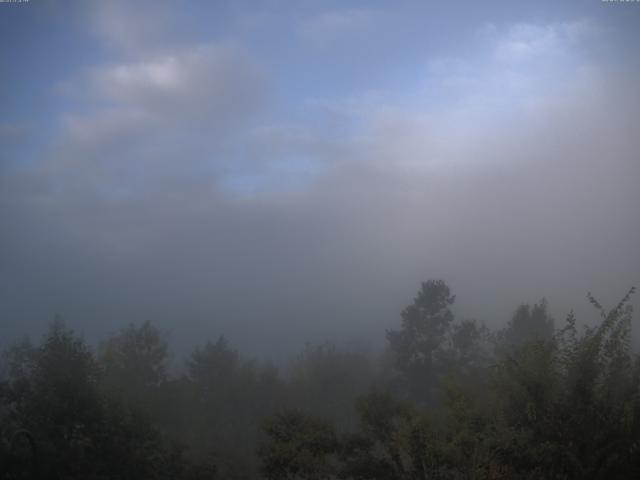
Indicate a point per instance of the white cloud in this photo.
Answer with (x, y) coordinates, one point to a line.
(512, 164)
(157, 122)
(514, 69)
(528, 41)
(198, 81)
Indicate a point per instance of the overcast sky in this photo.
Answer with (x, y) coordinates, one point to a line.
(289, 171)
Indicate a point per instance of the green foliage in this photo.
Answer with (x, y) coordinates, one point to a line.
(562, 405)
(61, 378)
(430, 345)
(419, 342)
(326, 381)
(528, 324)
(543, 404)
(53, 392)
(424, 326)
(135, 358)
(227, 399)
(395, 441)
(213, 365)
(299, 447)
(572, 403)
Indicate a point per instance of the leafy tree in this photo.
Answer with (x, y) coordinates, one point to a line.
(572, 404)
(135, 359)
(419, 342)
(430, 345)
(529, 324)
(395, 441)
(546, 405)
(326, 382)
(53, 392)
(299, 447)
(229, 399)
(213, 365)
(63, 402)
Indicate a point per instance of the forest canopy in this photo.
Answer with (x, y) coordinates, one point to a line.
(448, 398)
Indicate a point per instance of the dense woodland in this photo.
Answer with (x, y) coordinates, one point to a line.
(449, 398)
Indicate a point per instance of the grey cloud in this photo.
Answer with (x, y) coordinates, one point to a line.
(526, 218)
(194, 82)
(128, 219)
(132, 28)
(155, 122)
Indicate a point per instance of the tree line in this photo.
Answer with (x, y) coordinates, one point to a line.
(447, 399)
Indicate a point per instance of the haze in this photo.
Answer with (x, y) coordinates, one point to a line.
(283, 172)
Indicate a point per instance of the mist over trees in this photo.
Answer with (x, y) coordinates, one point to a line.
(449, 398)
(319, 240)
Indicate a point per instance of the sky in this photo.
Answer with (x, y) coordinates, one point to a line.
(283, 172)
